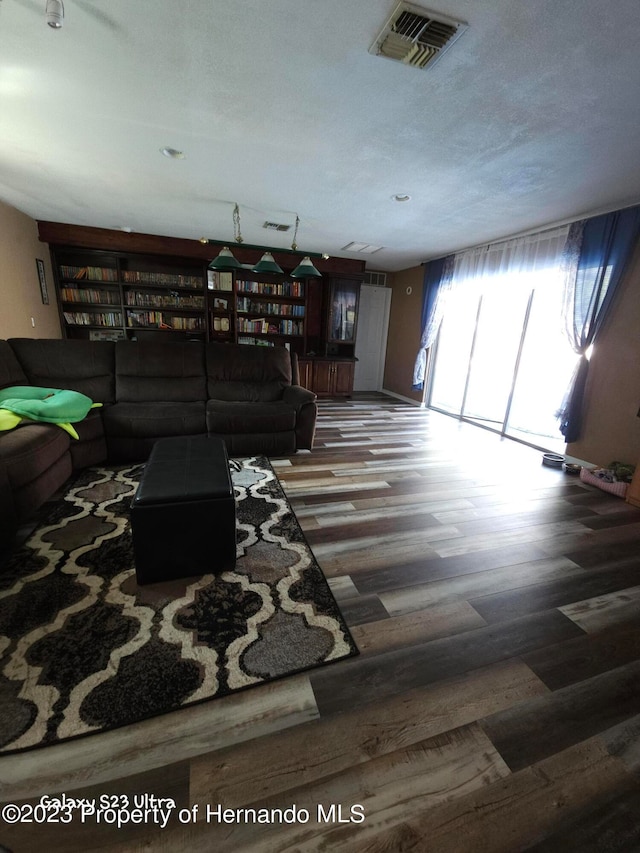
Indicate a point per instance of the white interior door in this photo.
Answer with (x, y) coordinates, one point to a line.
(371, 340)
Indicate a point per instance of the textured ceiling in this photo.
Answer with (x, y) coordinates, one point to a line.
(532, 117)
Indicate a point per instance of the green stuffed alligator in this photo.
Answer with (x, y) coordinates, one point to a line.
(26, 403)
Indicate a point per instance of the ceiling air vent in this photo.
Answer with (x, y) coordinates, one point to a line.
(276, 226)
(416, 36)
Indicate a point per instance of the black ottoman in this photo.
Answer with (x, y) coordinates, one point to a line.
(183, 516)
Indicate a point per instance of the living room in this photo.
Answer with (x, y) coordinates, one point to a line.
(390, 166)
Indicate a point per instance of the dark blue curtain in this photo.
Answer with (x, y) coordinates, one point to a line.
(436, 282)
(607, 243)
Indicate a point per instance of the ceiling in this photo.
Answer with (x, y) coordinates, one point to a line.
(532, 117)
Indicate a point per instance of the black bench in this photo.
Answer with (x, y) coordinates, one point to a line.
(183, 515)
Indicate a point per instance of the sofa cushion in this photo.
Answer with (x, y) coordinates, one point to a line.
(11, 372)
(151, 372)
(29, 450)
(247, 373)
(154, 420)
(232, 417)
(84, 366)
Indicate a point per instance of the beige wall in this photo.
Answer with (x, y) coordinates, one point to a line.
(611, 429)
(20, 299)
(404, 332)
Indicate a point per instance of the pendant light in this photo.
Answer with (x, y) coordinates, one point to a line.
(225, 259)
(306, 269)
(268, 264)
(54, 14)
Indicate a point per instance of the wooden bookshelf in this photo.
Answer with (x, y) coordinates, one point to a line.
(129, 294)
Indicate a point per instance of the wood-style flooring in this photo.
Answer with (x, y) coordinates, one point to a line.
(495, 705)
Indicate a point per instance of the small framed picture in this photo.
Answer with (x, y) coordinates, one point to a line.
(220, 304)
(44, 293)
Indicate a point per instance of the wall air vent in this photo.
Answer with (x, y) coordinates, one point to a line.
(375, 278)
(416, 36)
(276, 226)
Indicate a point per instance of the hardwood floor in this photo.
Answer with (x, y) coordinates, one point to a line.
(495, 705)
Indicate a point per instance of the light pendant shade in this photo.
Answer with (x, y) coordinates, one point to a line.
(225, 261)
(306, 269)
(267, 264)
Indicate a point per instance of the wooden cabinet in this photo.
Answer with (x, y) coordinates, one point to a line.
(328, 377)
(342, 315)
(125, 285)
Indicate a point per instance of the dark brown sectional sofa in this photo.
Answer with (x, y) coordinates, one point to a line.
(247, 395)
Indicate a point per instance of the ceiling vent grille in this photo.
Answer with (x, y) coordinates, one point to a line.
(416, 36)
(375, 278)
(276, 226)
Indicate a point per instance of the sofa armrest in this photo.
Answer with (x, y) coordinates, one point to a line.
(297, 396)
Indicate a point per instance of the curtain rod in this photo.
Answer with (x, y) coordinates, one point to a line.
(531, 231)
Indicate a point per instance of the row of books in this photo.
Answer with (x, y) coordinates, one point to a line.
(91, 273)
(162, 279)
(283, 288)
(160, 300)
(93, 318)
(256, 342)
(159, 320)
(268, 327)
(281, 308)
(84, 294)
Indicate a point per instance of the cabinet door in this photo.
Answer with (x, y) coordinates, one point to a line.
(322, 377)
(305, 369)
(343, 310)
(343, 377)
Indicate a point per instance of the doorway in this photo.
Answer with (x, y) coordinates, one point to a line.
(371, 340)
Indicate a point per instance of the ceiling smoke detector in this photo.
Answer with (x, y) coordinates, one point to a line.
(416, 36)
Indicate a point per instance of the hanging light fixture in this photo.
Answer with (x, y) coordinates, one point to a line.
(225, 259)
(306, 269)
(268, 264)
(54, 14)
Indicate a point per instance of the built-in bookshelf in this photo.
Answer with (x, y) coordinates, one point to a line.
(113, 296)
(266, 309)
(113, 286)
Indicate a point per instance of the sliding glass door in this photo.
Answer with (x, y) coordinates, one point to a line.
(501, 359)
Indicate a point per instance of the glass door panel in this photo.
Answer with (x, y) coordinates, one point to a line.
(546, 365)
(451, 365)
(495, 351)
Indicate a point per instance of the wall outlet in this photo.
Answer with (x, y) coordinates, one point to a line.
(33, 322)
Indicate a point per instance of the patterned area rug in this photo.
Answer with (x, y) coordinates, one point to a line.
(83, 648)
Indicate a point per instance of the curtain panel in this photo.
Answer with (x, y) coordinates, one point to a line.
(530, 254)
(597, 254)
(436, 284)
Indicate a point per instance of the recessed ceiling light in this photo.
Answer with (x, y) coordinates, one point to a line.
(173, 153)
(401, 197)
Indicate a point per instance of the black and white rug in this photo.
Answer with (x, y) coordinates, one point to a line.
(83, 648)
